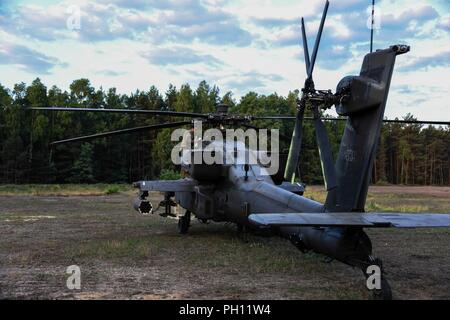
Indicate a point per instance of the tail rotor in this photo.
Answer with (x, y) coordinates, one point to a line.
(309, 100)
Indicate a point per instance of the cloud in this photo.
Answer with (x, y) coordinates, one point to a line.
(334, 56)
(158, 21)
(348, 6)
(245, 85)
(407, 24)
(262, 76)
(252, 80)
(335, 47)
(154, 4)
(179, 56)
(111, 73)
(444, 23)
(220, 33)
(182, 41)
(192, 20)
(346, 33)
(353, 26)
(275, 22)
(403, 89)
(441, 59)
(336, 7)
(103, 23)
(401, 20)
(27, 59)
(140, 4)
(30, 19)
(275, 77)
(98, 22)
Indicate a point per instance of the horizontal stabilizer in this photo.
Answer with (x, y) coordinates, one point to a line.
(182, 185)
(353, 219)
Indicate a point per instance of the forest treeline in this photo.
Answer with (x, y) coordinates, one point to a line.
(408, 154)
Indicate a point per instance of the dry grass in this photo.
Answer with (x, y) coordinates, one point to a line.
(63, 189)
(398, 198)
(123, 255)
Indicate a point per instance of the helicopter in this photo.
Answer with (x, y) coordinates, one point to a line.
(246, 194)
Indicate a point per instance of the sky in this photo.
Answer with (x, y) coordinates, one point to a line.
(238, 45)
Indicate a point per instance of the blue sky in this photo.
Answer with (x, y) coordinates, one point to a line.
(238, 45)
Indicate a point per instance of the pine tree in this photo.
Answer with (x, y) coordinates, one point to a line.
(408, 154)
(83, 168)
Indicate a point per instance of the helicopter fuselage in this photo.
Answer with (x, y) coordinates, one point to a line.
(243, 190)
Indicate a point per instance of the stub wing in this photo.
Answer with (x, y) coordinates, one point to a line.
(182, 185)
(349, 219)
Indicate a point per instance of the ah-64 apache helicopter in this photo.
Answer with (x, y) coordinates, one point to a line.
(247, 196)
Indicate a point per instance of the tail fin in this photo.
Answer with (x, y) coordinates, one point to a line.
(364, 107)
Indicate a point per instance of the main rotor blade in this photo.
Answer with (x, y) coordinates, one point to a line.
(295, 148)
(288, 118)
(319, 36)
(274, 118)
(326, 156)
(124, 131)
(135, 111)
(282, 136)
(442, 123)
(305, 47)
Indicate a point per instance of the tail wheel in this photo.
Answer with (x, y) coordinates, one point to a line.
(184, 223)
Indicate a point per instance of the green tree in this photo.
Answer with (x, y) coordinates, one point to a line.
(205, 98)
(162, 152)
(82, 91)
(83, 168)
(185, 99)
(409, 154)
(171, 97)
(229, 100)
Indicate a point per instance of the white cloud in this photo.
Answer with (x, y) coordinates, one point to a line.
(238, 45)
(178, 56)
(27, 59)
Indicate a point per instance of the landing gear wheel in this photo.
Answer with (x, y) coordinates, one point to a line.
(385, 293)
(184, 223)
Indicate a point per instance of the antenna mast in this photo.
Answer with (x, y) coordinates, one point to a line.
(372, 26)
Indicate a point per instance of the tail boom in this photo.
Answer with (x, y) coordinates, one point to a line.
(364, 106)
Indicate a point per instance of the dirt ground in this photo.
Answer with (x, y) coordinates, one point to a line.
(126, 256)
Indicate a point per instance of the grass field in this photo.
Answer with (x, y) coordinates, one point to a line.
(63, 189)
(123, 255)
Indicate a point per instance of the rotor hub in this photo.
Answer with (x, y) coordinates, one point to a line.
(222, 108)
